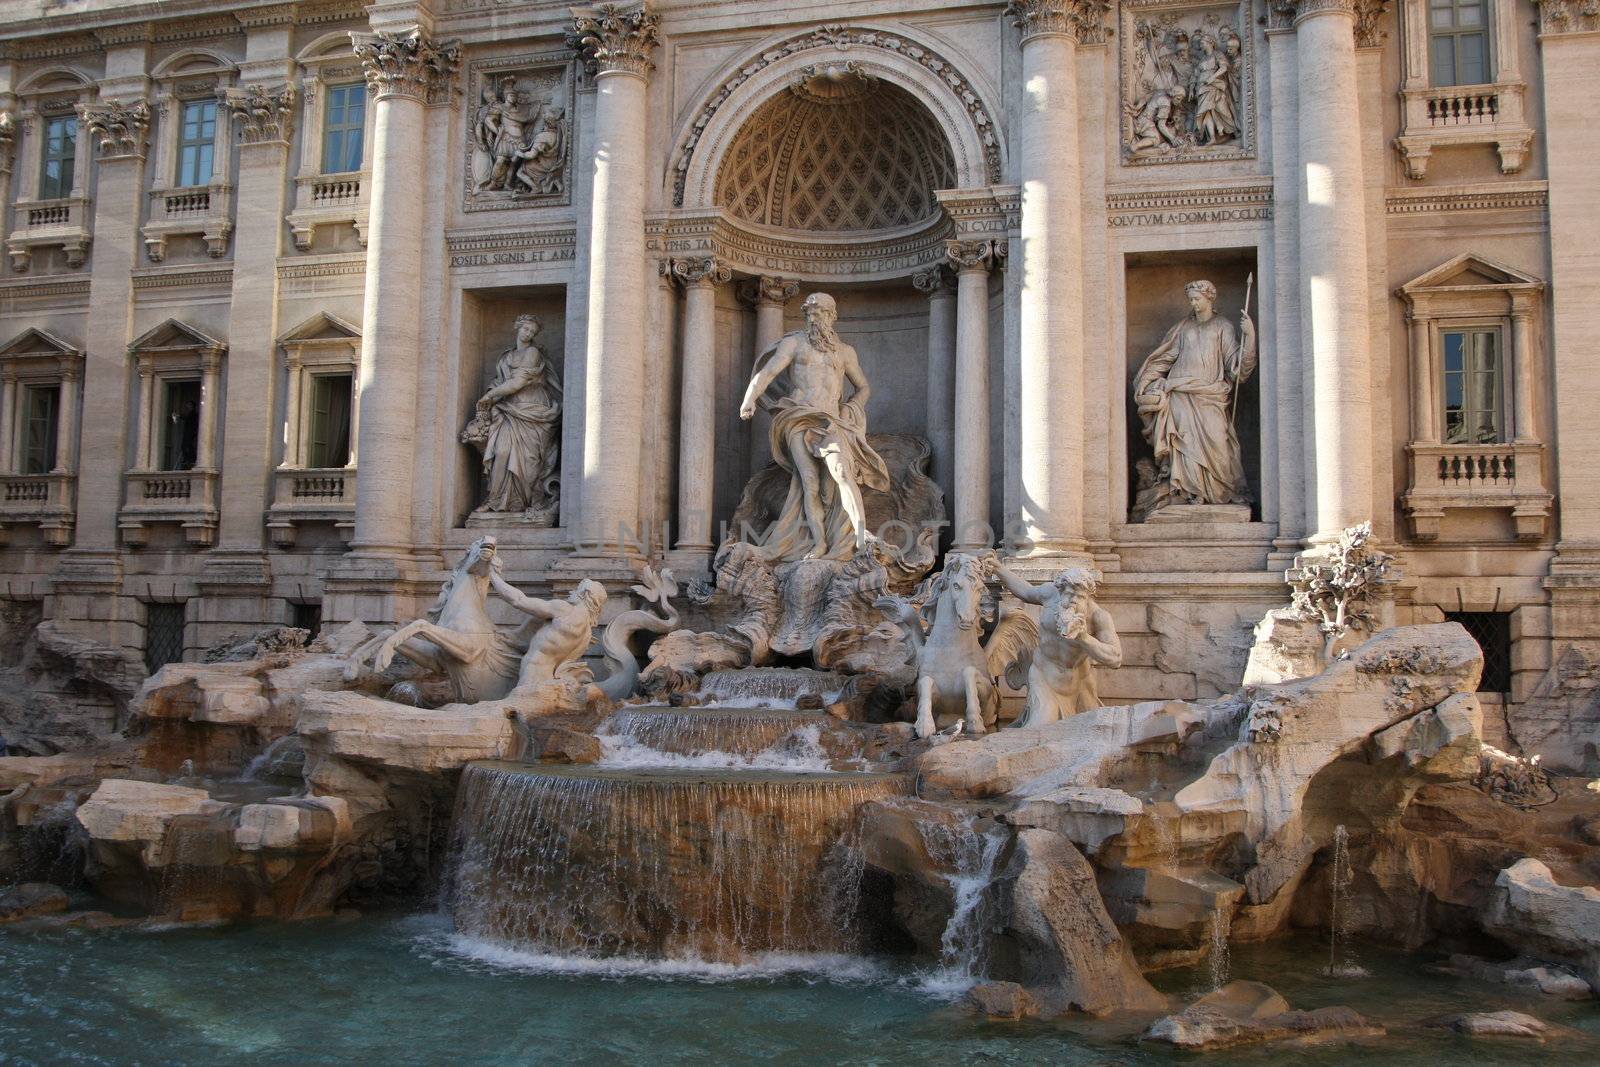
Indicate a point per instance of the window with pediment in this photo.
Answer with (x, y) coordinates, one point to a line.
(39, 379)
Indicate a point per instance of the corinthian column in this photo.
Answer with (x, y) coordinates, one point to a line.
(971, 260)
(404, 75)
(697, 438)
(935, 281)
(1050, 311)
(617, 45)
(1333, 260)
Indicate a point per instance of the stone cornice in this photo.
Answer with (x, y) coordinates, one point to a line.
(1507, 196)
(611, 40)
(119, 128)
(260, 115)
(175, 277)
(1558, 17)
(1081, 20)
(413, 65)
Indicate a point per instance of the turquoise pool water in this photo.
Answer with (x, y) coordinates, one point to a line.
(405, 990)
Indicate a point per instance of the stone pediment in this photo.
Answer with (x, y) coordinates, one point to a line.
(34, 342)
(175, 336)
(1468, 271)
(321, 327)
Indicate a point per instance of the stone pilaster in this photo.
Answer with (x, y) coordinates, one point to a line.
(936, 282)
(405, 74)
(1334, 289)
(616, 46)
(971, 261)
(1050, 313)
(697, 438)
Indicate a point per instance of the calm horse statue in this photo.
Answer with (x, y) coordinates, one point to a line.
(956, 668)
(456, 637)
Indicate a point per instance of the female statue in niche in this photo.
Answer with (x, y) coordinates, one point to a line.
(516, 427)
(1214, 117)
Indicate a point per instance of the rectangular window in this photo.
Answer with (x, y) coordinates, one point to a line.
(328, 436)
(180, 425)
(39, 415)
(1473, 411)
(197, 142)
(343, 124)
(307, 617)
(1492, 631)
(163, 635)
(1458, 42)
(59, 153)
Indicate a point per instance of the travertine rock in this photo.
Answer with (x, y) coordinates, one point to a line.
(1530, 974)
(139, 812)
(1530, 909)
(31, 900)
(1243, 1013)
(1495, 1024)
(1560, 720)
(1287, 646)
(1002, 1000)
(366, 730)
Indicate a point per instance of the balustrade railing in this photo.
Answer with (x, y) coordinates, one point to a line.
(1455, 107)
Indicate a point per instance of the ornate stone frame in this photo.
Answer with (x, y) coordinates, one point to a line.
(63, 222)
(479, 73)
(323, 343)
(1245, 148)
(38, 357)
(174, 209)
(324, 199)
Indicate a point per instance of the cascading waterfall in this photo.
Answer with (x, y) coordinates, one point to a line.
(967, 853)
(668, 864)
(769, 685)
(697, 731)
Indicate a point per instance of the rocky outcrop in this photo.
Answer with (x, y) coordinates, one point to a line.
(1287, 646)
(1002, 1000)
(1560, 720)
(30, 900)
(1494, 1024)
(59, 692)
(1530, 909)
(1247, 1013)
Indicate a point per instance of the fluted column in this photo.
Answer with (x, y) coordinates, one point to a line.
(1333, 262)
(1050, 310)
(770, 295)
(617, 45)
(67, 423)
(935, 281)
(697, 437)
(1523, 353)
(1424, 420)
(210, 401)
(971, 260)
(404, 74)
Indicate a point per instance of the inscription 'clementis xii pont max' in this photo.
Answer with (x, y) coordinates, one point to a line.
(303, 300)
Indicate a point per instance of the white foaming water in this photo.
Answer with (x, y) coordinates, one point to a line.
(799, 752)
(970, 856)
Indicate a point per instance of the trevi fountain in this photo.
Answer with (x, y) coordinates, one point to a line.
(789, 606)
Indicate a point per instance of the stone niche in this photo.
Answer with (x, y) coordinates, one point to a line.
(1155, 303)
(488, 318)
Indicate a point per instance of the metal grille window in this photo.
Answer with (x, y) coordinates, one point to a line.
(1473, 394)
(343, 126)
(328, 438)
(307, 617)
(197, 142)
(1458, 42)
(39, 415)
(58, 157)
(163, 635)
(1492, 631)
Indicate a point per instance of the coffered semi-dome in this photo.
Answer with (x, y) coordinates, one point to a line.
(836, 150)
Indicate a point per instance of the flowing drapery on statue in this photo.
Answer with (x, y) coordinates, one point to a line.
(819, 437)
(1184, 395)
(516, 425)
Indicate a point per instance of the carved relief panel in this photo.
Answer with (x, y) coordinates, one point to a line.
(1186, 82)
(519, 135)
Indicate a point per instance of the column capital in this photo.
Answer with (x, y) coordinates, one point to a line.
(119, 128)
(1283, 14)
(934, 280)
(701, 271)
(1081, 20)
(611, 40)
(261, 115)
(768, 289)
(1557, 17)
(412, 65)
(973, 255)
(1368, 14)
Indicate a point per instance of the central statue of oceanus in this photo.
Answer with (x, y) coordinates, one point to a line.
(819, 436)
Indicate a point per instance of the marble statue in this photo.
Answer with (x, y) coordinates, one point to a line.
(518, 151)
(956, 668)
(1335, 586)
(561, 630)
(1183, 86)
(1076, 635)
(656, 616)
(1185, 394)
(819, 436)
(516, 425)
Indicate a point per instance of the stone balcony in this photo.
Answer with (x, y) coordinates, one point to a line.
(182, 498)
(43, 500)
(302, 495)
(325, 199)
(62, 223)
(205, 210)
(1458, 115)
(1507, 476)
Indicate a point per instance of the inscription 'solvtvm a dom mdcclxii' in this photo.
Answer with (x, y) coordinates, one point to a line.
(304, 303)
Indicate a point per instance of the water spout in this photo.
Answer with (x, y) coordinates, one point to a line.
(1217, 963)
(1341, 957)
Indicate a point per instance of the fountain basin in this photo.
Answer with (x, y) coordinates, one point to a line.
(667, 864)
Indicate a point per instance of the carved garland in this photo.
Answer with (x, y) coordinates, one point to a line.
(118, 127)
(1568, 16)
(412, 65)
(842, 37)
(260, 116)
